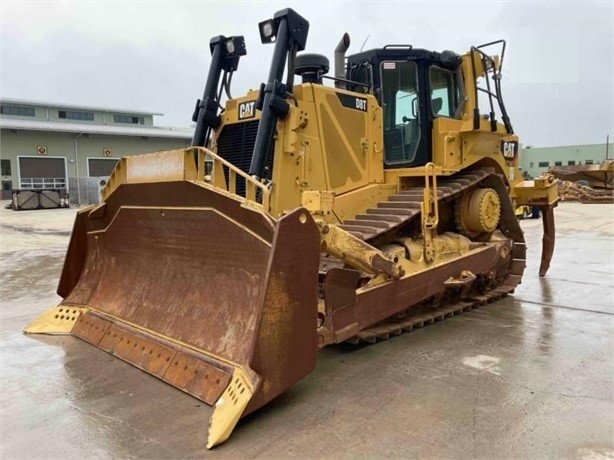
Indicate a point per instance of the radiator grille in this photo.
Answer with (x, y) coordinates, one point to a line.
(236, 145)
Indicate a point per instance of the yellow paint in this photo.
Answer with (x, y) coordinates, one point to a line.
(229, 408)
(169, 166)
(56, 320)
(321, 146)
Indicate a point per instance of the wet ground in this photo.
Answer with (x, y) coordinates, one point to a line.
(528, 376)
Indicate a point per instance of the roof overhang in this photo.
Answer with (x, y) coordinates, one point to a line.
(82, 128)
(57, 105)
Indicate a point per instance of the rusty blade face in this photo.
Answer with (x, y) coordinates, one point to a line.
(164, 258)
(197, 289)
(191, 275)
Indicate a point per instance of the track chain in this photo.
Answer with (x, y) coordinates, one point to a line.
(397, 327)
(452, 187)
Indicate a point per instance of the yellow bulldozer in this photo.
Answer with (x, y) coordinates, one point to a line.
(343, 208)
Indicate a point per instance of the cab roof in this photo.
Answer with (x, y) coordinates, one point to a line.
(446, 59)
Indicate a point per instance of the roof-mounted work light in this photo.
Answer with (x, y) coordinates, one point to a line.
(235, 46)
(296, 32)
(230, 49)
(268, 30)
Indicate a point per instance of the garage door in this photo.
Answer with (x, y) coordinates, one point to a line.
(100, 167)
(42, 173)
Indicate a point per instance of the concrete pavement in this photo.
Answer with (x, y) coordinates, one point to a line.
(528, 376)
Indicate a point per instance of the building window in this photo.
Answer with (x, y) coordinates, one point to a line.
(558, 163)
(5, 167)
(544, 164)
(76, 115)
(129, 119)
(588, 162)
(571, 162)
(17, 110)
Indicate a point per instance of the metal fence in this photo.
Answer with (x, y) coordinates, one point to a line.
(86, 190)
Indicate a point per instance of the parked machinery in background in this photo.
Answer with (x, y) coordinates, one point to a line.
(525, 211)
(586, 183)
(25, 200)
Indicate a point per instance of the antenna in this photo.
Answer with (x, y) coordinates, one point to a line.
(363, 43)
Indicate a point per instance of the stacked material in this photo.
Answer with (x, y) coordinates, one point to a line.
(573, 191)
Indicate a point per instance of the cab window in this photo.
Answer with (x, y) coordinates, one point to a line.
(444, 93)
(401, 109)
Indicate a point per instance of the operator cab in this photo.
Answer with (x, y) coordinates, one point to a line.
(413, 87)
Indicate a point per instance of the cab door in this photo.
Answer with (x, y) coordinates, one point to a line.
(404, 142)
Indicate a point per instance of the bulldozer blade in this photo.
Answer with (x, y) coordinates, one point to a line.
(197, 288)
(548, 238)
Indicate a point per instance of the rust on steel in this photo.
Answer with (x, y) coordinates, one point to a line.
(146, 265)
(548, 238)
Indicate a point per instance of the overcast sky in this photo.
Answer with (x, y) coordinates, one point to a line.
(558, 70)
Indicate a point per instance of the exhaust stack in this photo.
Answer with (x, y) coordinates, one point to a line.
(340, 50)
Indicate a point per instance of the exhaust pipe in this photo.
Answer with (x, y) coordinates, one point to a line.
(340, 50)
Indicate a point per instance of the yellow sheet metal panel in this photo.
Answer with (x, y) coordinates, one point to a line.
(541, 191)
(56, 320)
(161, 167)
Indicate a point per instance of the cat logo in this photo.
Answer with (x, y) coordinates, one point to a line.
(106, 152)
(41, 150)
(509, 149)
(247, 110)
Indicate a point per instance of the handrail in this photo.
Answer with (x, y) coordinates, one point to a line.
(488, 64)
(430, 212)
(224, 176)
